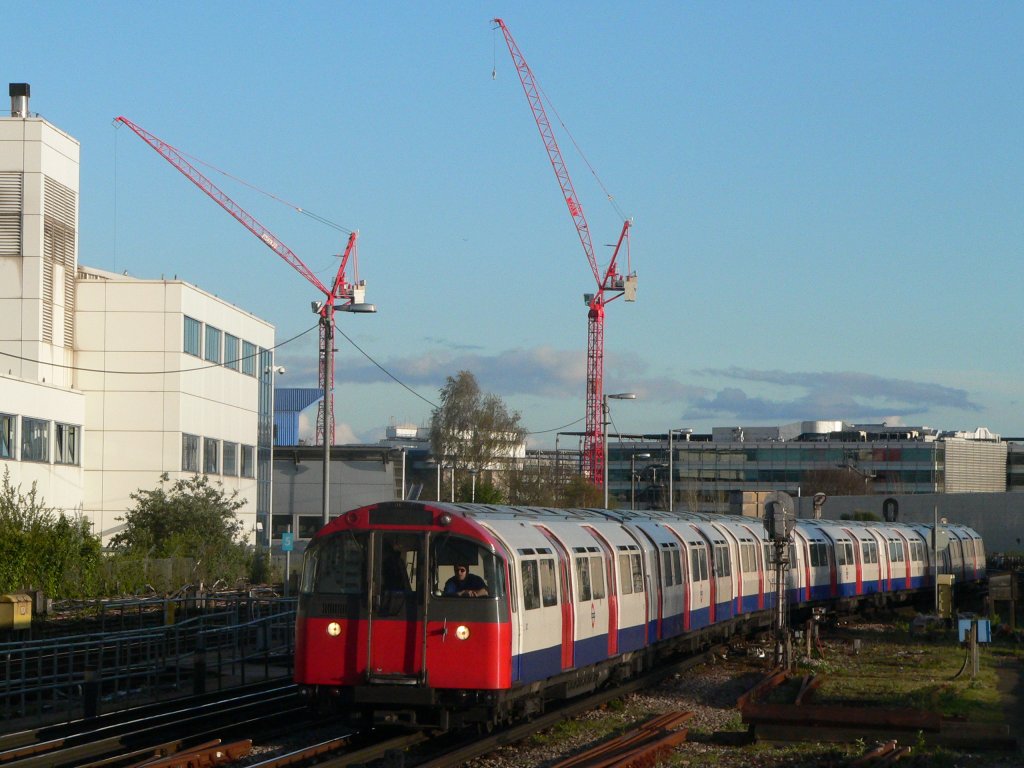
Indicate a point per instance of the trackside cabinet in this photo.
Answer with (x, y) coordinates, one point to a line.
(15, 611)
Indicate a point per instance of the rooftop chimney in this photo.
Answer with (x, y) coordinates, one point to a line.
(19, 99)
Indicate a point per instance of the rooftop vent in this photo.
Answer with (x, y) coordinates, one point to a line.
(19, 99)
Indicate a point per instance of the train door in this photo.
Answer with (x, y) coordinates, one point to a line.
(395, 626)
(857, 562)
(566, 598)
(906, 557)
(732, 555)
(612, 590)
(702, 606)
(753, 571)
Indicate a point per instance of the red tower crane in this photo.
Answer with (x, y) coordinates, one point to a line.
(350, 295)
(610, 284)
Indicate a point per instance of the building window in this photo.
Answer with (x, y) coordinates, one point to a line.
(248, 358)
(248, 461)
(213, 344)
(35, 439)
(189, 453)
(211, 456)
(193, 329)
(231, 352)
(66, 439)
(230, 459)
(7, 422)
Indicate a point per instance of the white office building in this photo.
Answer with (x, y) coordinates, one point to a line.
(107, 382)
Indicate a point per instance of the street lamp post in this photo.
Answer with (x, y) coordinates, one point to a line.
(435, 465)
(632, 476)
(604, 447)
(671, 458)
(263, 536)
(472, 475)
(327, 319)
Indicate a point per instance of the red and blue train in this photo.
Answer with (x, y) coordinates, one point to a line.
(571, 599)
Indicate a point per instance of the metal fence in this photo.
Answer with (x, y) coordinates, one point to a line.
(166, 650)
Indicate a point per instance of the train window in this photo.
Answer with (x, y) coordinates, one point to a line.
(597, 577)
(447, 552)
(531, 585)
(699, 562)
(721, 555)
(869, 551)
(819, 554)
(896, 551)
(625, 578)
(399, 566)
(583, 578)
(666, 567)
(748, 557)
(335, 566)
(637, 572)
(548, 588)
(844, 552)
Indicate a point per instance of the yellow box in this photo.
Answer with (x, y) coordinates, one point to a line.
(15, 611)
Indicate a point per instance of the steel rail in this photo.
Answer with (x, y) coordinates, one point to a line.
(78, 748)
(125, 718)
(468, 751)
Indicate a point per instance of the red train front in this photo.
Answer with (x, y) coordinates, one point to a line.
(375, 625)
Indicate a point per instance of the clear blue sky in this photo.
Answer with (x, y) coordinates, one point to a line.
(828, 198)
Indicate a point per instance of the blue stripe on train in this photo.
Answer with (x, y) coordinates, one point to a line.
(672, 625)
(632, 638)
(538, 665)
(591, 650)
(750, 604)
(700, 617)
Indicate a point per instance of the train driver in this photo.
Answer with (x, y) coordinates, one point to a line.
(465, 584)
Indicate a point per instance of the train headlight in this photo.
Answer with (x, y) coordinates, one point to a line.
(462, 632)
(334, 629)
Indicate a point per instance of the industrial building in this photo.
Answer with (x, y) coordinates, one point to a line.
(108, 382)
(705, 472)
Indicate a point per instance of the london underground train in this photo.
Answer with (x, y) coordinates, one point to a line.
(391, 628)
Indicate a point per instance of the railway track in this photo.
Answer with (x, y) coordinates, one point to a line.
(451, 750)
(138, 735)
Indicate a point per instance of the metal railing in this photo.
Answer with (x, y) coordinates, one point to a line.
(63, 678)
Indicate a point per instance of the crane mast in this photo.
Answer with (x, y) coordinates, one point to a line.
(340, 290)
(609, 285)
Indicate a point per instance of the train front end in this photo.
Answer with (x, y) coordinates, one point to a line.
(382, 637)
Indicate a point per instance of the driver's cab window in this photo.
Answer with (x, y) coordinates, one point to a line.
(462, 568)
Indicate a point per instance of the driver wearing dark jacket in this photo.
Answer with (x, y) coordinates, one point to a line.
(465, 584)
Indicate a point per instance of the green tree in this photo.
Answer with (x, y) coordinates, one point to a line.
(42, 547)
(192, 518)
(471, 429)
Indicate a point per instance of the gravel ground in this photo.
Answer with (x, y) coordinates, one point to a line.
(715, 732)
